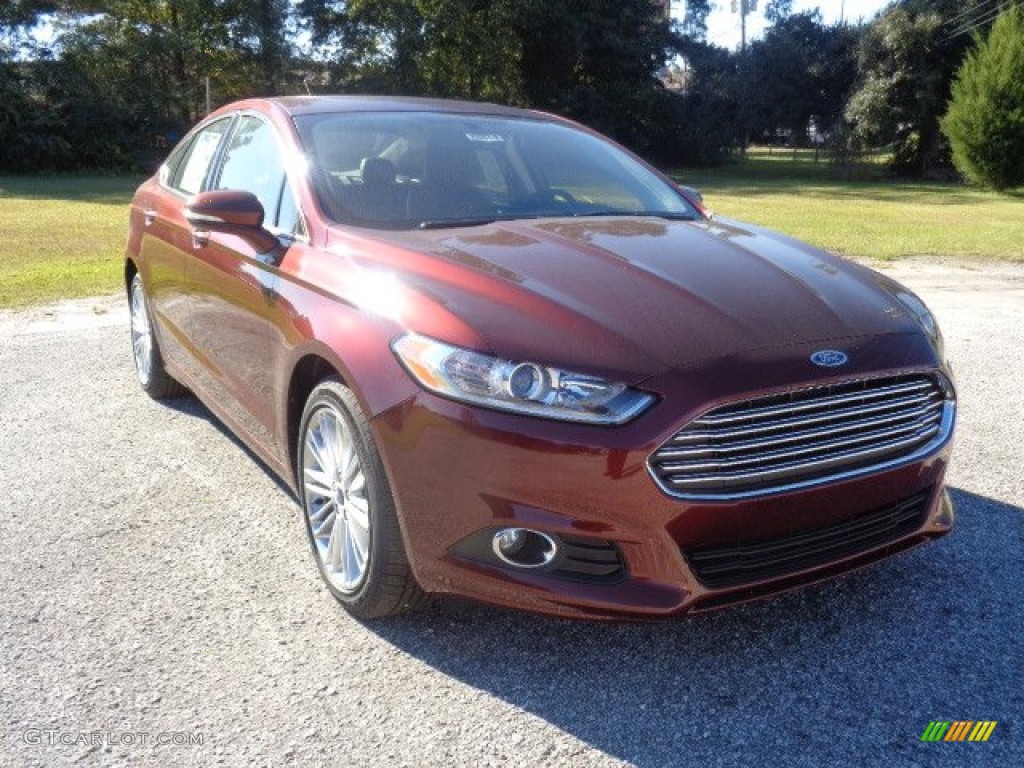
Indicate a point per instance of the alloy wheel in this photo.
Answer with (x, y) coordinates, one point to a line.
(142, 334)
(335, 499)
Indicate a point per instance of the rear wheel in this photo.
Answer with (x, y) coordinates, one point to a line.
(349, 510)
(149, 365)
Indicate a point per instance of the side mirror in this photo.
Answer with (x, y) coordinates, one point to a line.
(692, 193)
(696, 198)
(232, 212)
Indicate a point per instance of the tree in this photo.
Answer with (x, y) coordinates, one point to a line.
(801, 70)
(131, 75)
(454, 48)
(593, 60)
(985, 121)
(907, 58)
(258, 32)
(24, 13)
(777, 10)
(695, 20)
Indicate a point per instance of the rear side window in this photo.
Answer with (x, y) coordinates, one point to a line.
(190, 173)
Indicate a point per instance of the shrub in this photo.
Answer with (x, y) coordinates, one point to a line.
(985, 120)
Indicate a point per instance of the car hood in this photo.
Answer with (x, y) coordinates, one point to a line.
(633, 297)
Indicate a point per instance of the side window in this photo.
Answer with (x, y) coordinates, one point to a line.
(190, 173)
(288, 218)
(252, 162)
(170, 165)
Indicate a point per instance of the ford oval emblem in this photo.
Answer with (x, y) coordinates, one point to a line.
(829, 358)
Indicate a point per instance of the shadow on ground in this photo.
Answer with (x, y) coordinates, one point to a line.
(846, 673)
(190, 405)
(831, 674)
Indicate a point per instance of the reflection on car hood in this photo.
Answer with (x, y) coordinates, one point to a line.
(632, 297)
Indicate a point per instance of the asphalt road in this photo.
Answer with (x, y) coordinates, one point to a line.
(156, 584)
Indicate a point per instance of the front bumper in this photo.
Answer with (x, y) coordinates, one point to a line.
(459, 473)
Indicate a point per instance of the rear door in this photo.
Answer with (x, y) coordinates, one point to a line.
(166, 242)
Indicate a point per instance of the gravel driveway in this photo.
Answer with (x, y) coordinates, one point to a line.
(158, 587)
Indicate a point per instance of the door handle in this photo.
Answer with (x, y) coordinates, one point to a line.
(200, 238)
(149, 215)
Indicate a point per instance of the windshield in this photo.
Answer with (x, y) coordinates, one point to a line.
(401, 170)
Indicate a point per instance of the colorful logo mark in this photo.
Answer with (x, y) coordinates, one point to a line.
(958, 730)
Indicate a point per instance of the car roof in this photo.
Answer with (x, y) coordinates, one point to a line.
(305, 105)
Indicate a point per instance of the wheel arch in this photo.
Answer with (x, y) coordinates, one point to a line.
(308, 371)
(130, 271)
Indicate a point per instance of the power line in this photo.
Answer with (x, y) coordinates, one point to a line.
(968, 12)
(970, 26)
(975, 23)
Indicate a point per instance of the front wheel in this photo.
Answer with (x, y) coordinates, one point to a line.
(349, 510)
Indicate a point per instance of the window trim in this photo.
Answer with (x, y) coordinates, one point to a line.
(216, 163)
(217, 167)
(189, 140)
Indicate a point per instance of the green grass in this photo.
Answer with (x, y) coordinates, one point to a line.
(62, 236)
(871, 218)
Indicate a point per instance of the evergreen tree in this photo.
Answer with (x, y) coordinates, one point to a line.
(907, 59)
(985, 121)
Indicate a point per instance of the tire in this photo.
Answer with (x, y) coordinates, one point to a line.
(359, 552)
(149, 365)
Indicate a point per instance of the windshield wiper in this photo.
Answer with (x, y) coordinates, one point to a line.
(667, 215)
(453, 223)
(484, 220)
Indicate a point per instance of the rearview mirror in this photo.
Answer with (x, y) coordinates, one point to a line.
(232, 212)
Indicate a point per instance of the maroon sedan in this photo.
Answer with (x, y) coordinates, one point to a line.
(497, 355)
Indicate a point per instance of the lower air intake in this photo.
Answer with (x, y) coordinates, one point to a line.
(719, 567)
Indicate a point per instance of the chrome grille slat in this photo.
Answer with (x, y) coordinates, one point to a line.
(806, 436)
(783, 469)
(932, 412)
(753, 413)
(835, 449)
(799, 421)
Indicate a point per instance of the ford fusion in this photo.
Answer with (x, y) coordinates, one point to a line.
(496, 355)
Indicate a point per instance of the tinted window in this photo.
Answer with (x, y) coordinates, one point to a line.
(170, 166)
(252, 162)
(399, 170)
(190, 173)
(288, 218)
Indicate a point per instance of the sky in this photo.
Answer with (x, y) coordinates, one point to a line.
(724, 26)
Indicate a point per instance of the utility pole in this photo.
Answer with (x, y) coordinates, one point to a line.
(743, 7)
(743, 27)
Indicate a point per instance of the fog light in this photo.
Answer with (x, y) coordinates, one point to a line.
(524, 548)
(510, 541)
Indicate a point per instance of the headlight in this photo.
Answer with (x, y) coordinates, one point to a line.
(522, 387)
(925, 318)
(920, 311)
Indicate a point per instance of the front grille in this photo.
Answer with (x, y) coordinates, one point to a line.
(719, 567)
(803, 437)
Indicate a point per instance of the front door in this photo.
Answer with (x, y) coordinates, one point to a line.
(233, 291)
